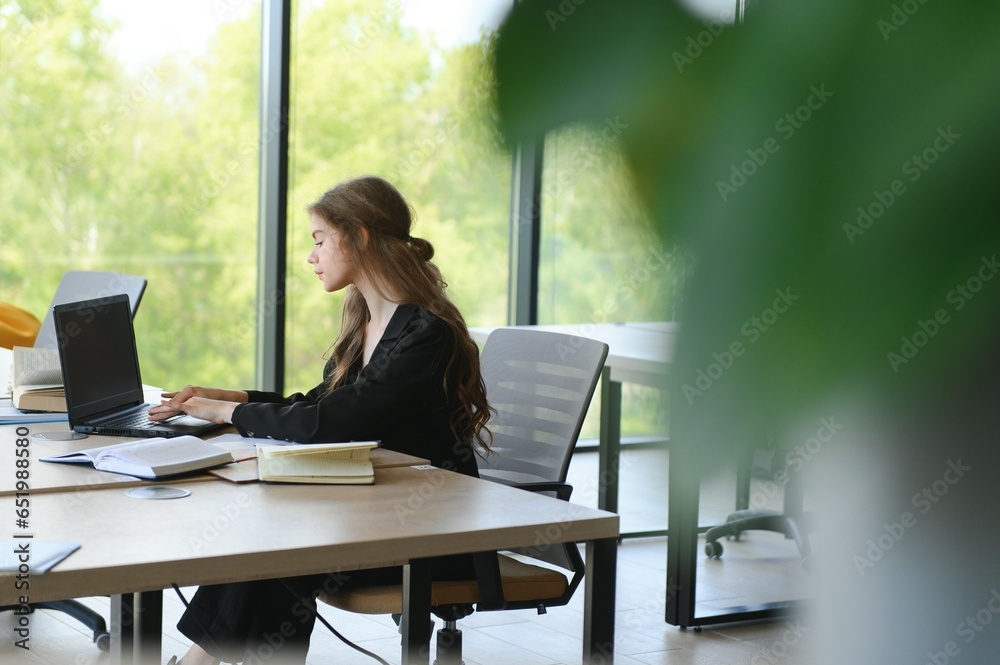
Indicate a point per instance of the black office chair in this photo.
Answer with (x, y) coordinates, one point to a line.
(540, 384)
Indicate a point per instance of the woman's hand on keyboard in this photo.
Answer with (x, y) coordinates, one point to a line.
(213, 404)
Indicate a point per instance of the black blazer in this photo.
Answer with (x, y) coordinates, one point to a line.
(398, 398)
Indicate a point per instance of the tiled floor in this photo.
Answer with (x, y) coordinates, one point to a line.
(761, 567)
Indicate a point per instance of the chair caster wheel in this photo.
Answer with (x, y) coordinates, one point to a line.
(103, 642)
(713, 549)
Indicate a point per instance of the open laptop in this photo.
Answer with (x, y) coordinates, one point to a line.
(100, 369)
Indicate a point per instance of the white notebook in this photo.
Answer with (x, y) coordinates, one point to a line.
(331, 463)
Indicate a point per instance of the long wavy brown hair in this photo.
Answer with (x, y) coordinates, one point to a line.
(398, 264)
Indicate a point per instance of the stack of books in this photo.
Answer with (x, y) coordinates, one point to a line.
(36, 380)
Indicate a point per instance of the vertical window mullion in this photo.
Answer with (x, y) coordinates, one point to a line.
(272, 213)
(525, 233)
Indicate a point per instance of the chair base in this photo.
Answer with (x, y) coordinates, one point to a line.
(449, 645)
(760, 520)
(88, 617)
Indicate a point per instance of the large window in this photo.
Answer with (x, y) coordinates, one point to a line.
(400, 90)
(129, 141)
(601, 261)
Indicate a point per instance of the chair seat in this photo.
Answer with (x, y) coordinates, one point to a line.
(521, 582)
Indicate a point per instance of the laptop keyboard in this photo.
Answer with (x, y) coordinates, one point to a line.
(139, 420)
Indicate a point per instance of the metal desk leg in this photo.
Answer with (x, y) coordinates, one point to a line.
(682, 553)
(599, 603)
(149, 627)
(609, 451)
(416, 612)
(122, 623)
(682, 544)
(136, 628)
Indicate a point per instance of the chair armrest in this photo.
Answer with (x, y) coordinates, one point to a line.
(562, 490)
(489, 581)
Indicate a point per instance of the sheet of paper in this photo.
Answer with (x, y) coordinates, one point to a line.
(40, 555)
(237, 441)
(11, 416)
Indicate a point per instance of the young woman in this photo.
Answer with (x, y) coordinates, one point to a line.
(404, 371)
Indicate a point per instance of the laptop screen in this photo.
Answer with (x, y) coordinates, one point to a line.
(97, 351)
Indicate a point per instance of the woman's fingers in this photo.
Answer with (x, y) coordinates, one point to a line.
(163, 411)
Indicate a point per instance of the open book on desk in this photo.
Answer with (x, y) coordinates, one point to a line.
(329, 463)
(150, 458)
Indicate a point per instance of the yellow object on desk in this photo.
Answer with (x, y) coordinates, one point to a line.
(17, 326)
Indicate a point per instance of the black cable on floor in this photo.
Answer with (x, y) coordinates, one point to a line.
(318, 616)
(334, 630)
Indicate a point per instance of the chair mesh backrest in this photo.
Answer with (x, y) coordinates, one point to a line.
(83, 285)
(540, 384)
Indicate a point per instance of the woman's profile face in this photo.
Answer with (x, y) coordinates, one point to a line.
(328, 258)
